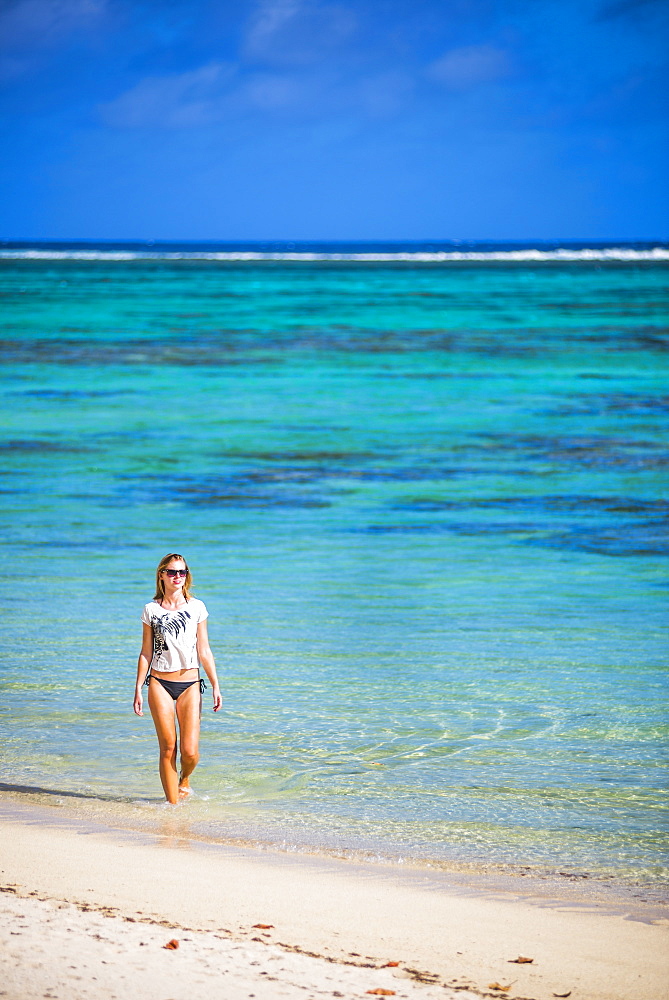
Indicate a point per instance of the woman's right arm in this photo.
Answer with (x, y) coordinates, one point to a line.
(143, 666)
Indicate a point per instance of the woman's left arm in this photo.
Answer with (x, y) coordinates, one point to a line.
(206, 658)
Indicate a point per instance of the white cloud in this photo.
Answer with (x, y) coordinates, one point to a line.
(297, 32)
(204, 96)
(471, 65)
(219, 92)
(179, 100)
(270, 18)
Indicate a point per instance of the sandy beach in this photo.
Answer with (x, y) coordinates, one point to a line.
(87, 913)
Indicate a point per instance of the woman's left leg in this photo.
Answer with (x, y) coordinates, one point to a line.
(188, 715)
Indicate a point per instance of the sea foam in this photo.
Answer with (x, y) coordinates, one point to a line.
(585, 255)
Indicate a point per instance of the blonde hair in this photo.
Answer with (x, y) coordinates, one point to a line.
(160, 585)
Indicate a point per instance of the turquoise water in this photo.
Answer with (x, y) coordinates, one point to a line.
(425, 506)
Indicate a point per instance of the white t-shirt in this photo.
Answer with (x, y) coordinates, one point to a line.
(174, 635)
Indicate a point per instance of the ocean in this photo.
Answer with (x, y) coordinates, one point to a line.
(422, 489)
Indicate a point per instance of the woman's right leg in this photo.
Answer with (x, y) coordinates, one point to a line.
(188, 713)
(162, 712)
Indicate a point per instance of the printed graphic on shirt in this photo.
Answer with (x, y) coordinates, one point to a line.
(165, 625)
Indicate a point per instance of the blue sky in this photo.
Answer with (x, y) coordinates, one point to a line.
(350, 119)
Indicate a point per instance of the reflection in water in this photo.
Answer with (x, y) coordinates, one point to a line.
(174, 827)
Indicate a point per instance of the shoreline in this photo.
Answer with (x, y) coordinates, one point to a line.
(639, 894)
(334, 912)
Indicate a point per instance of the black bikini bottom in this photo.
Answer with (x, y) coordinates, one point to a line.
(175, 688)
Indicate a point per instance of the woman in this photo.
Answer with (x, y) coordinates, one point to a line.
(174, 640)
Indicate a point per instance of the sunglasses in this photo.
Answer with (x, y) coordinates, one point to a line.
(175, 572)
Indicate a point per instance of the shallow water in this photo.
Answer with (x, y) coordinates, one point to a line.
(425, 507)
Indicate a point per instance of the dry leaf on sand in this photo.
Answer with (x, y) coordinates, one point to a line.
(264, 927)
(567, 994)
(382, 993)
(172, 945)
(521, 960)
(498, 986)
(390, 965)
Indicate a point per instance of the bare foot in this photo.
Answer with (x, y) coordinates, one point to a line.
(185, 791)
